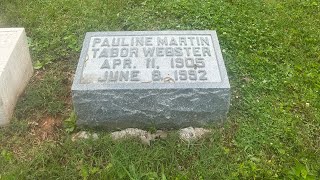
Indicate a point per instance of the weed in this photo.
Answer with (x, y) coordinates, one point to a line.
(70, 123)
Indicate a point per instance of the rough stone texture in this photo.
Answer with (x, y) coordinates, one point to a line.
(143, 135)
(167, 108)
(172, 101)
(15, 69)
(190, 134)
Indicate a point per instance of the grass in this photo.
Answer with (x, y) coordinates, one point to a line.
(272, 53)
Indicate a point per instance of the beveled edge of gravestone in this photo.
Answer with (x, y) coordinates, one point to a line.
(224, 84)
(18, 31)
(5, 52)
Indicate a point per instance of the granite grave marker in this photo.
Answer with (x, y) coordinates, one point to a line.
(163, 79)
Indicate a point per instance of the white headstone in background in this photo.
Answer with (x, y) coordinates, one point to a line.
(15, 69)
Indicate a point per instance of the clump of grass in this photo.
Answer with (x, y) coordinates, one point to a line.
(48, 93)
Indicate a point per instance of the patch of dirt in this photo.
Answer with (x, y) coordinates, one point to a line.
(38, 75)
(46, 129)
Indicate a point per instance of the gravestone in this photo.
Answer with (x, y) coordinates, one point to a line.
(15, 69)
(162, 79)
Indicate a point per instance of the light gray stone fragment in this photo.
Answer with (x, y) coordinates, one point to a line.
(192, 134)
(129, 132)
(143, 135)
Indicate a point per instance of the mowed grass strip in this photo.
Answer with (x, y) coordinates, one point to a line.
(272, 53)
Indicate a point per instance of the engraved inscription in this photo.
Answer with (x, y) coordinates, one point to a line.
(151, 59)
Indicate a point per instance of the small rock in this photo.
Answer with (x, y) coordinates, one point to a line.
(130, 132)
(191, 134)
(84, 135)
(160, 135)
(95, 136)
(146, 139)
(144, 136)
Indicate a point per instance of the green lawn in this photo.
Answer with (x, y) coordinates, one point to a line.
(272, 53)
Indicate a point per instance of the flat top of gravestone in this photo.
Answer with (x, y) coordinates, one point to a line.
(150, 60)
(8, 39)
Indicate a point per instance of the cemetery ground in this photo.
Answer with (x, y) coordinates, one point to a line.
(272, 54)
